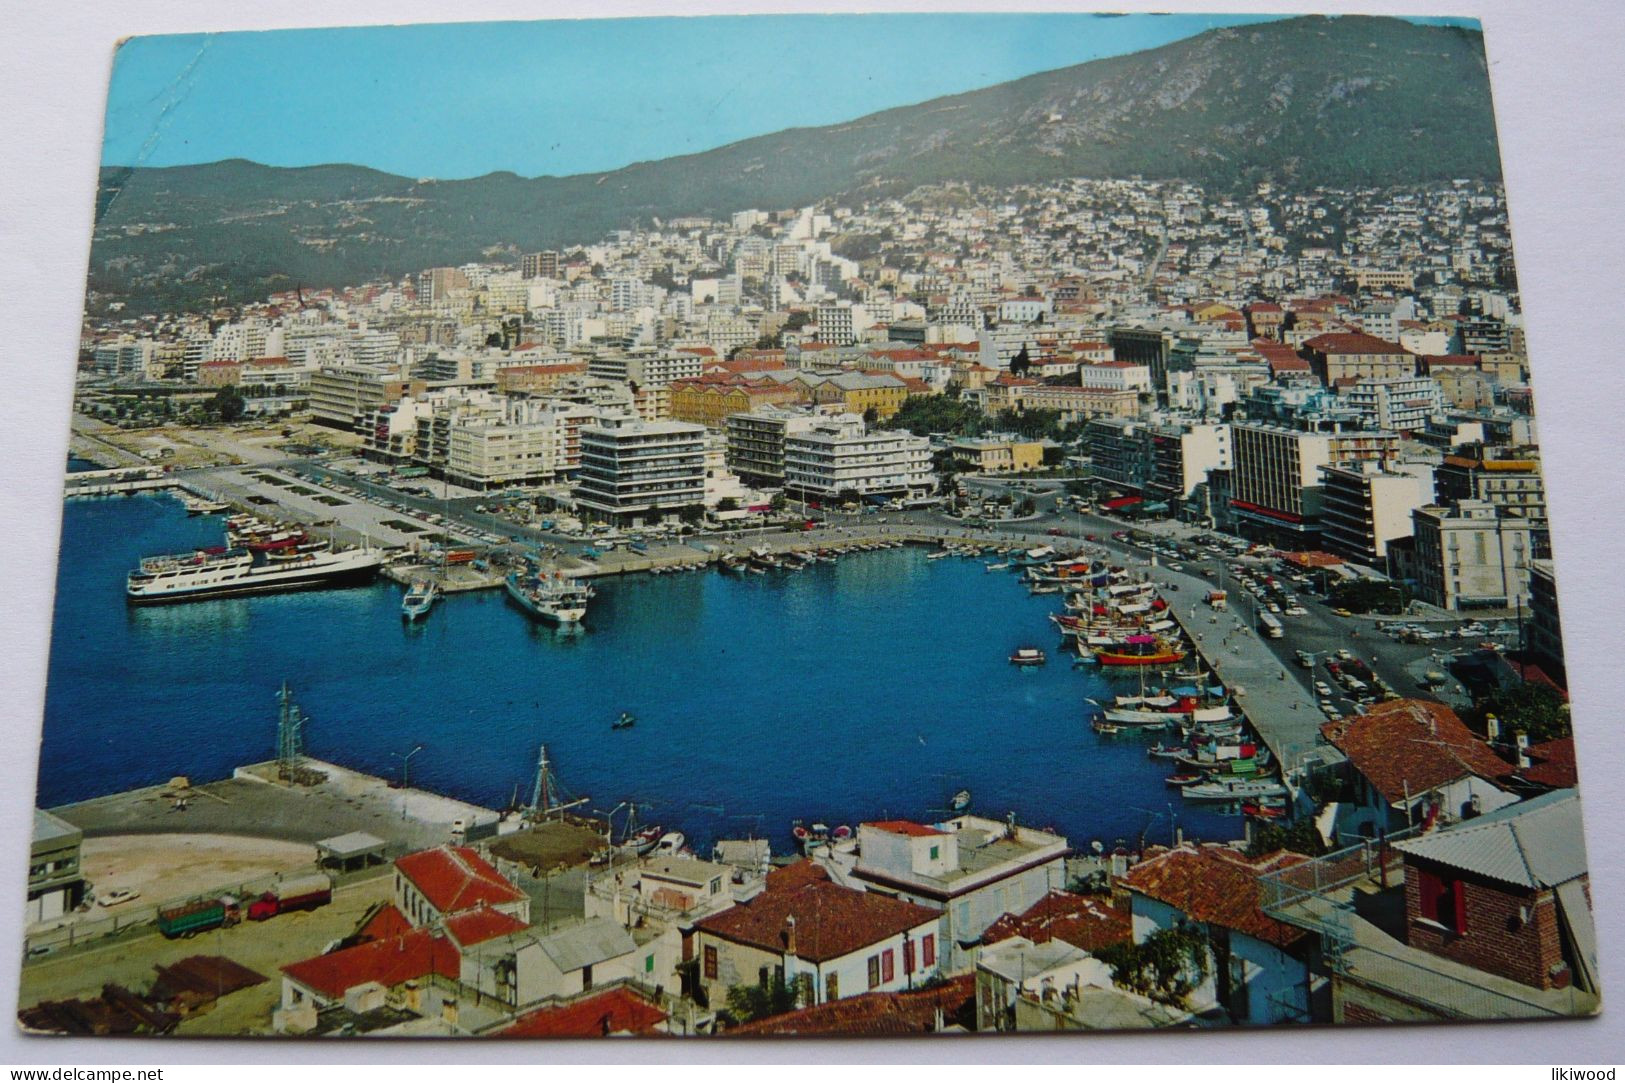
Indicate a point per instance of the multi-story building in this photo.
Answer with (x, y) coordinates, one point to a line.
(1351, 355)
(756, 441)
(1398, 404)
(972, 869)
(636, 471)
(1472, 555)
(1115, 376)
(340, 395)
(530, 445)
(1181, 455)
(539, 265)
(838, 456)
(1277, 475)
(709, 400)
(647, 367)
(1543, 634)
(1364, 506)
(1509, 478)
(1077, 403)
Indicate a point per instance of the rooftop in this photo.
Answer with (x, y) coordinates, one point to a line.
(454, 878)
(1218, 885)
(876, 1014)
(1532, 844)
(598, 1015)
(1407, 747)
(388, 961)
(829, 921)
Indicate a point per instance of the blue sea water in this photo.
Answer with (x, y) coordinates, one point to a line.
(872, 687)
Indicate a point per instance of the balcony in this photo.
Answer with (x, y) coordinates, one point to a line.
(1354, 899)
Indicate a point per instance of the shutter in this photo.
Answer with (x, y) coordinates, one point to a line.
(1458, 894)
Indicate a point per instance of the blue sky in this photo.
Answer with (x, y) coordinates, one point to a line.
(569, 96)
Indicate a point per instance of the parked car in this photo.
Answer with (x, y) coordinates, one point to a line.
(117, 897)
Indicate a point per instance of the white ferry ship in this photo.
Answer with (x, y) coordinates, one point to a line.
(555, 599)
(219, 572)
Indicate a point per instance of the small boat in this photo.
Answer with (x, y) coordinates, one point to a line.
(1104, 727)
(625, 722)
(959, 802)
(1028, 656)
(998, 567)
(645, 840)
(1164, 752)
(1233, 789)
(419, 600)
(670, 843)
(1184, 778)
(1262, 811)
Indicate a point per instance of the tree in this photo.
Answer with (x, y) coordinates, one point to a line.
(228, 404)
(778, 503)
(1026, 507)
(1165, 967)
(1022, 363)
(1535, 710)
(870, 416)
(749, 1002)
(693, 515)
(727, 503)
(1301, 838)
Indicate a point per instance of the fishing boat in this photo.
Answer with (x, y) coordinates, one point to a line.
(959, 802)
(998, 567)
(1161, 751)
(625, 722)
(1028, 656)
(1233, 789)
(1109, 729)
(1141, 650)
(1185, 778)
(420, 598)
(1262, 811)
(550, 598)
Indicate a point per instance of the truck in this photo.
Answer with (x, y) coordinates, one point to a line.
(459, 556)
(1216, 599)
(297, 893)
(187, 919)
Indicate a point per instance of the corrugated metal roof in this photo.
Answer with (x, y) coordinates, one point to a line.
(1535, 843)
(585, 944)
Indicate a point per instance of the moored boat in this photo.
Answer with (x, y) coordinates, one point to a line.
(419, 599)
(550, 598)
(1028, 656)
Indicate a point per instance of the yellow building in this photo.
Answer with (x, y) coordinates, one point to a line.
(998, 456)
(709, 400)
(858, 393)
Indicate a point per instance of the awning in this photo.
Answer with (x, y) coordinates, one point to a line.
(1121, 502)
(1271, 513)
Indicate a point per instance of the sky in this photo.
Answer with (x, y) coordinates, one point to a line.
(569, 96)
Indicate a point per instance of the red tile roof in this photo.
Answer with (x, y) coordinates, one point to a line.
(1353, 342)
(875, 1014)
(904, 827)
(1084, 921)
(1552, 764)
(1406, 747)
(477, 926)
(388, 961)
(1217, 885)
(830, 921)
(387, 922)
(455, 878)
(613, 1011)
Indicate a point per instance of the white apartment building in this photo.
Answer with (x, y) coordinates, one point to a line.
(534, 443)
(1398, 404)
(640, 471)
(1364, 506)
(837, 455)
(648, 367)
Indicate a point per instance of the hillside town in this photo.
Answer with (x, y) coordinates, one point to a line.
(1301, 420)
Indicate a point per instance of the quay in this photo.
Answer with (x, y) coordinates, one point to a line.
(251, 803)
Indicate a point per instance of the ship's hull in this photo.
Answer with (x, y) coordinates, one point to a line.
(561, 615)
(265, 580)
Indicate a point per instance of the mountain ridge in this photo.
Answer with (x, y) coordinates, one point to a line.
(1346, 101)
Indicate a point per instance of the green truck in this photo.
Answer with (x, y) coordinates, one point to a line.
(195, 916)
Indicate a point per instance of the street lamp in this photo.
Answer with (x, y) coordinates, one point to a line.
(406, 765)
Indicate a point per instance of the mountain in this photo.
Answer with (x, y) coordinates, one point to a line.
(1308, 101)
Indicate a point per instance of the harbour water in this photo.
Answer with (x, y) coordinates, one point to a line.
(875, 686)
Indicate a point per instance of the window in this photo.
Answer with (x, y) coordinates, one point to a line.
(1443, 901)
(934, 850)
(874, 971)
(928, 950)
(649, 964)
(908, 956)
(832, 987)
(887, 965)
(710, 961)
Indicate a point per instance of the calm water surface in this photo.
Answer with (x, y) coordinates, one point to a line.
(875, 686)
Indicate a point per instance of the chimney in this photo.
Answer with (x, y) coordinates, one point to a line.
(1523, 751)
(1492, 728)
(790, 935)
